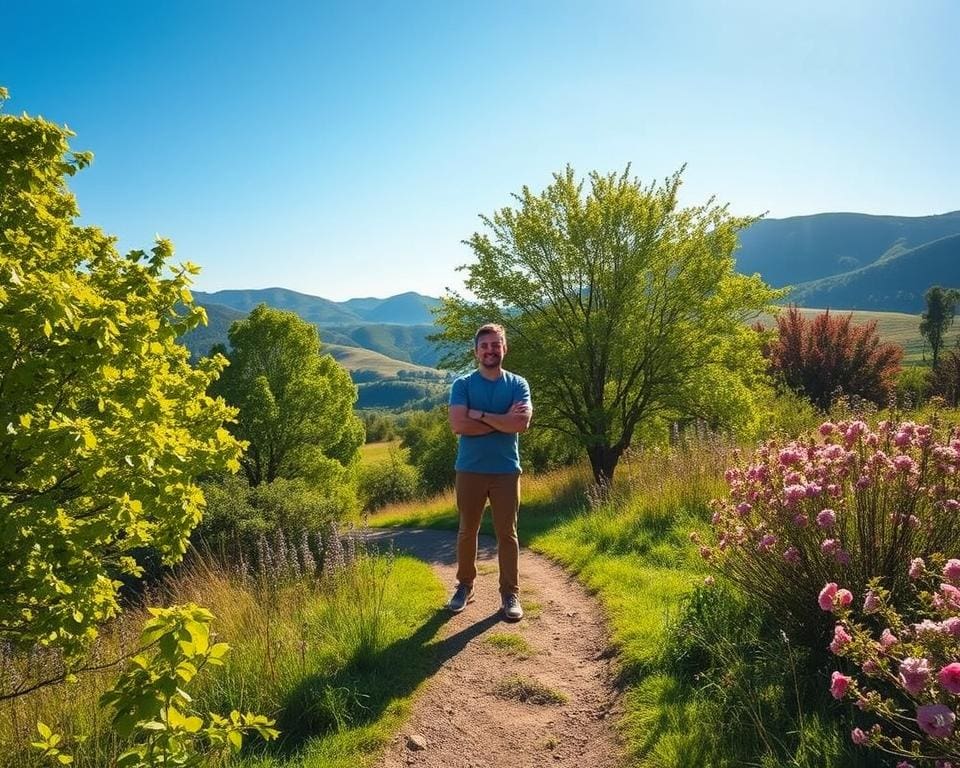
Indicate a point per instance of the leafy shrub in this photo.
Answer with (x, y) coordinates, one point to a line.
(542, 450)
(828, 354)
(387, 482)
(379, 427)
(845, 504)
(914, 385)
(238, 512)
(945, 379)
(432, 448)
(907, 673)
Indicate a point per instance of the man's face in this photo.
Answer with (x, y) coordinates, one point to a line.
(490, 350)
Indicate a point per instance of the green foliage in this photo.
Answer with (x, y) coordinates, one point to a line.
(941, 306)
(387, 482)
(104, 423)
(914, 384)
(378, 427)
(620, 307)
(296, 405)
(239, 512)
(544, 449)
(152, 707)
(432, 449)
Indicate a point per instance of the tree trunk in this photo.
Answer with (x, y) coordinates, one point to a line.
(603, 462)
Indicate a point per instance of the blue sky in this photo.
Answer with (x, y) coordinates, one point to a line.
(346, 149)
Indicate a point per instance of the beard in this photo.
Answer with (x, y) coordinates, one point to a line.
(491, 361)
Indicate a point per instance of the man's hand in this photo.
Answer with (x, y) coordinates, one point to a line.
(517, 419)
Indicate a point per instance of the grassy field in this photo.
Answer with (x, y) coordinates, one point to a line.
(360, 359)
(374, 452)
(335, 662)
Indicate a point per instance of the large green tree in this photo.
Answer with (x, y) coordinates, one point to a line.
(296, 404)
(938, 317)
(621, 308)
(104, 425)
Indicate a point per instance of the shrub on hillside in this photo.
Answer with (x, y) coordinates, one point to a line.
(913, 386)
(831, 354)
(237, 512)
(545, 449)
(432, 448)
(387, 482)
(945, 379)
(845, 504)
(904, 668)
(378, 427)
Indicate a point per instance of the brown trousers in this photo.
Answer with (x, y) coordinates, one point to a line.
(503, 490)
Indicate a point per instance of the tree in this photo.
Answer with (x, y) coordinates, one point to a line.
(105, 425)
(938, 317)
(832, 354)
(620, 308)
(296, 405)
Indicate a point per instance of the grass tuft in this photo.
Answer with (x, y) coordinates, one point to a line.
(510, 644)
(528, 691)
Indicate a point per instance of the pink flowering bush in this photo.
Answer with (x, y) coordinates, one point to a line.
(844, 504)
(905, 662)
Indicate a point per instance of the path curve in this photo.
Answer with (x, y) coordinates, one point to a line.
(462, 721)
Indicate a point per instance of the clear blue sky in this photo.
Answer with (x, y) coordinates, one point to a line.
(346, 149)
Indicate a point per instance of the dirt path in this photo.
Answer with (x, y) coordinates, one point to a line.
(460, 721)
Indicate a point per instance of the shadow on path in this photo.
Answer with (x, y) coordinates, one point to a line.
(361, 692)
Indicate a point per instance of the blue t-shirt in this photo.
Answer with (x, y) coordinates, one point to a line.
(497, 452)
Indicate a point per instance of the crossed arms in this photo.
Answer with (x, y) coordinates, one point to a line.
(471, 422)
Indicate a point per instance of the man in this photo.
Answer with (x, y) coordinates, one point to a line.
(488, 409)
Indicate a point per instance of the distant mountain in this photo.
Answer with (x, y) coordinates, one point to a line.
(219, 319)
(854, 260)
(403, 309)
(895, 282)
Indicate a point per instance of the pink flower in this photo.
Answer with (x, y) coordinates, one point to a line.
(827, 428)
(800, 520)
(952, 504)
(951, 596)
(888, 639)
(829, 546)
(905, 764)
(844, 597)
(792, 555)
(789, 456)
(838, 685)
(842, 557)
(827, 518)
(903, 463)
(767, 542)
(794, 493)
(841, 638)
(951, 626)
(951, 571)
(914, 674)
(870, 667)
(857, 736)
(916, 568)
(826, 596)
(949, 677)
(743, 509)
(936, 720)
(871, 603)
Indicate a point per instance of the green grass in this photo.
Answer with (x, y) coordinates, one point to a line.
(510, 644)
(335, 663)
(371, 453)
(528, 691)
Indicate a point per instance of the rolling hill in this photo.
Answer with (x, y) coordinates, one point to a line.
(896, 281)
(403, 309)
(802, 249)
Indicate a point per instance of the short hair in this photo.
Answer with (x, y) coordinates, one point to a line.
(486, 328)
